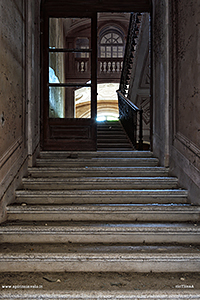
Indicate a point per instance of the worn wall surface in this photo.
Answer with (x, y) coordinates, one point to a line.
(160, 67)
(176, 87)
(18, 109)
(185, 132)
(12, 80)
(32, 73)
(188, 71)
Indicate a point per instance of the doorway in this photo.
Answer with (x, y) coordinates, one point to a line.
(78, 57)
(68, 68)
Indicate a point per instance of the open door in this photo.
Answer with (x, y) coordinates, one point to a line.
(69, 68)
(69, 95)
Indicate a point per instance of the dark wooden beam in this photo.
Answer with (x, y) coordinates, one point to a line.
(92, 6)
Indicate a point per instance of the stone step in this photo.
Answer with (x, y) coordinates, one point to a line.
(110, 129)
(110, 123)
(87, 183)
(100, 295)
(100, 258)
(113, 143)
(103, 212)
(97, 232)
(110, 147)
(102, 196)
(97, 162)
(95, 154)
(99, 285)
(94, 171)
(110, 126)
(113, 136)
(114, 140)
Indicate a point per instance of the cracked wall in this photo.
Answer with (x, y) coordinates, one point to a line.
(188, 70)
(11, 69)
(176, 90)
(19, 93)
(185, 148)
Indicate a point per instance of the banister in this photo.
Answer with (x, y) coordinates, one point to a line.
(129, 103)
(128, 116)
(128, 111)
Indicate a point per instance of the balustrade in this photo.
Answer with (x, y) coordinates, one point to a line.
(128, 112)
(111, 66)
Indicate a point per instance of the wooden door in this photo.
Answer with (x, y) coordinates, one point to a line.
(69, 83)
(61, 127)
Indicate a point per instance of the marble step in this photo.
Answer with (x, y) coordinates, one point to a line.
(97, 162)
(99, 258)
(102, 196)
(99, 285)
(88, 183)
(94, 171)
(99, 232)
(110, 147)
(101, 295)
(106, 213)
(114, 141)
(113, 144)
(110, 129)
(116, 134)
(95, 154)
(109, 126)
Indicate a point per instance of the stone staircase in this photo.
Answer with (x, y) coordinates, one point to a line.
(112, 213)
(111, 136)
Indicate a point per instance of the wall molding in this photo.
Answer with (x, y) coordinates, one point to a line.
(187, 173)
(188, 144)
(10, 151)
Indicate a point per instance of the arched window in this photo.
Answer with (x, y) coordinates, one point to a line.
(82, 43)
(111, 44)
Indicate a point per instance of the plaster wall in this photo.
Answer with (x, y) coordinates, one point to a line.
(12, 81)
(16, 105)
(32, 75)
(176, 87)
(160, 72)
(185, 132)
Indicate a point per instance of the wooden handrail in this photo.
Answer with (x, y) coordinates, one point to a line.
(128, 111)
(129, 103)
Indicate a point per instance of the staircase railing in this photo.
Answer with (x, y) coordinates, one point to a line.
(128, 116)
(128, 112)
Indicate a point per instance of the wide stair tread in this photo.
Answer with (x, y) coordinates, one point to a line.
(95, 154)
(104, 211)
(102, 285)
(110, 135)
(117, 196)
(105, 258)
(94, 171)
(99, 232)
(100, 183)
(97, 162)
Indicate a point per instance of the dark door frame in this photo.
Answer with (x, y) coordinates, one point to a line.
(76, 8)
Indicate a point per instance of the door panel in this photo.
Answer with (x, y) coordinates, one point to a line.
(69, 99)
